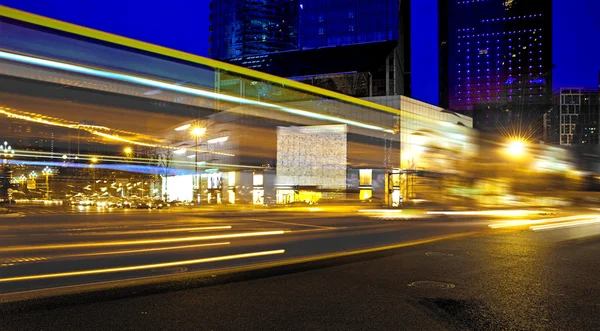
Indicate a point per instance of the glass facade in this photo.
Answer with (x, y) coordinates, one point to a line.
(249, 27)
(326, 23)
(498, 60)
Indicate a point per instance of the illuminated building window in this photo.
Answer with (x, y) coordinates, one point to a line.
(257, 180)
(365, 177)
(365, 194)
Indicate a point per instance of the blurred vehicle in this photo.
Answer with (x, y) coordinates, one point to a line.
(159, 204)
(143, 204)
(128, 204)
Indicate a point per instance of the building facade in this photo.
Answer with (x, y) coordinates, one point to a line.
(250, 27)
(338, 34)
(496, 62)
(575, 117)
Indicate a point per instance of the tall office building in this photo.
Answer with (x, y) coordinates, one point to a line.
(496, 62)
(574, 118)
(356, 47)
(250, 27)
(328, 23)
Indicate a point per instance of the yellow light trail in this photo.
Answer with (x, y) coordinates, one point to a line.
(163, 230)
(391, 211)
(517, 223)
(513, 213)
(37, 118)
(564, 225)
(144, 250)
(142, 267)
(151, 48)
(140, 242)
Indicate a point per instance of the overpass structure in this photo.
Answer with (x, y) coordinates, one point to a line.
(111, 116)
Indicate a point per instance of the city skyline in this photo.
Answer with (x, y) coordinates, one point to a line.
(574, 27)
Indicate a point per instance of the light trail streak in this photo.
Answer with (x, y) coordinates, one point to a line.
(517, 223)
(143, 250)
(296, 224)
(142, 267)
(162, 230)
(509, 213)
(140, 242)
(180, 89)
(93, 130)
(564, 225)
(385, 211)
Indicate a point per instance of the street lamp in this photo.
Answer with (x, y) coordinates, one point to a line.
(93, 161)
(6, 151)
(197, 132)
(516, 148)
(128, 151)
(47, 172)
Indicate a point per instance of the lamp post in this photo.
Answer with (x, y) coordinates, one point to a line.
(93, 161)
(6, 151)
(197, 132)
(32, 175)
(47, 172)
(128, 151)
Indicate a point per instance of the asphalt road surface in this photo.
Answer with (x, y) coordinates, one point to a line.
(525, 273)
(48, 248)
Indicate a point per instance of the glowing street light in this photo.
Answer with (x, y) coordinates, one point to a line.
(516, 148)
(47, 172)
(197, 132)
(93, 161)
(6, 151)
(128, 151)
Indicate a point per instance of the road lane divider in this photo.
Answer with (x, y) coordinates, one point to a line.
(140, 242)
(142, 267)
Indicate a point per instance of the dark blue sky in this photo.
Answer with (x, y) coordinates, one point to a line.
(183, 25)
(178, 24)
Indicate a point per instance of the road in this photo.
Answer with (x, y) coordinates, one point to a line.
(52, 247)
(509, 276)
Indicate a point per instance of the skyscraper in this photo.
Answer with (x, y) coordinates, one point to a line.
(327, 23)
(356, 47)
(496, 62)
(250, 27)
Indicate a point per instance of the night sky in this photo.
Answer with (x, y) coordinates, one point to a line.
(183, 25)
(178, 24)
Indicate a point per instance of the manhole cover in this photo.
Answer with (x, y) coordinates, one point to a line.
(431, 284)
(172, 270)
(438, 254)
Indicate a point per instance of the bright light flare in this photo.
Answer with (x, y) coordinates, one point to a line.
(516, 148)
(198, 131)
(142, 267)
